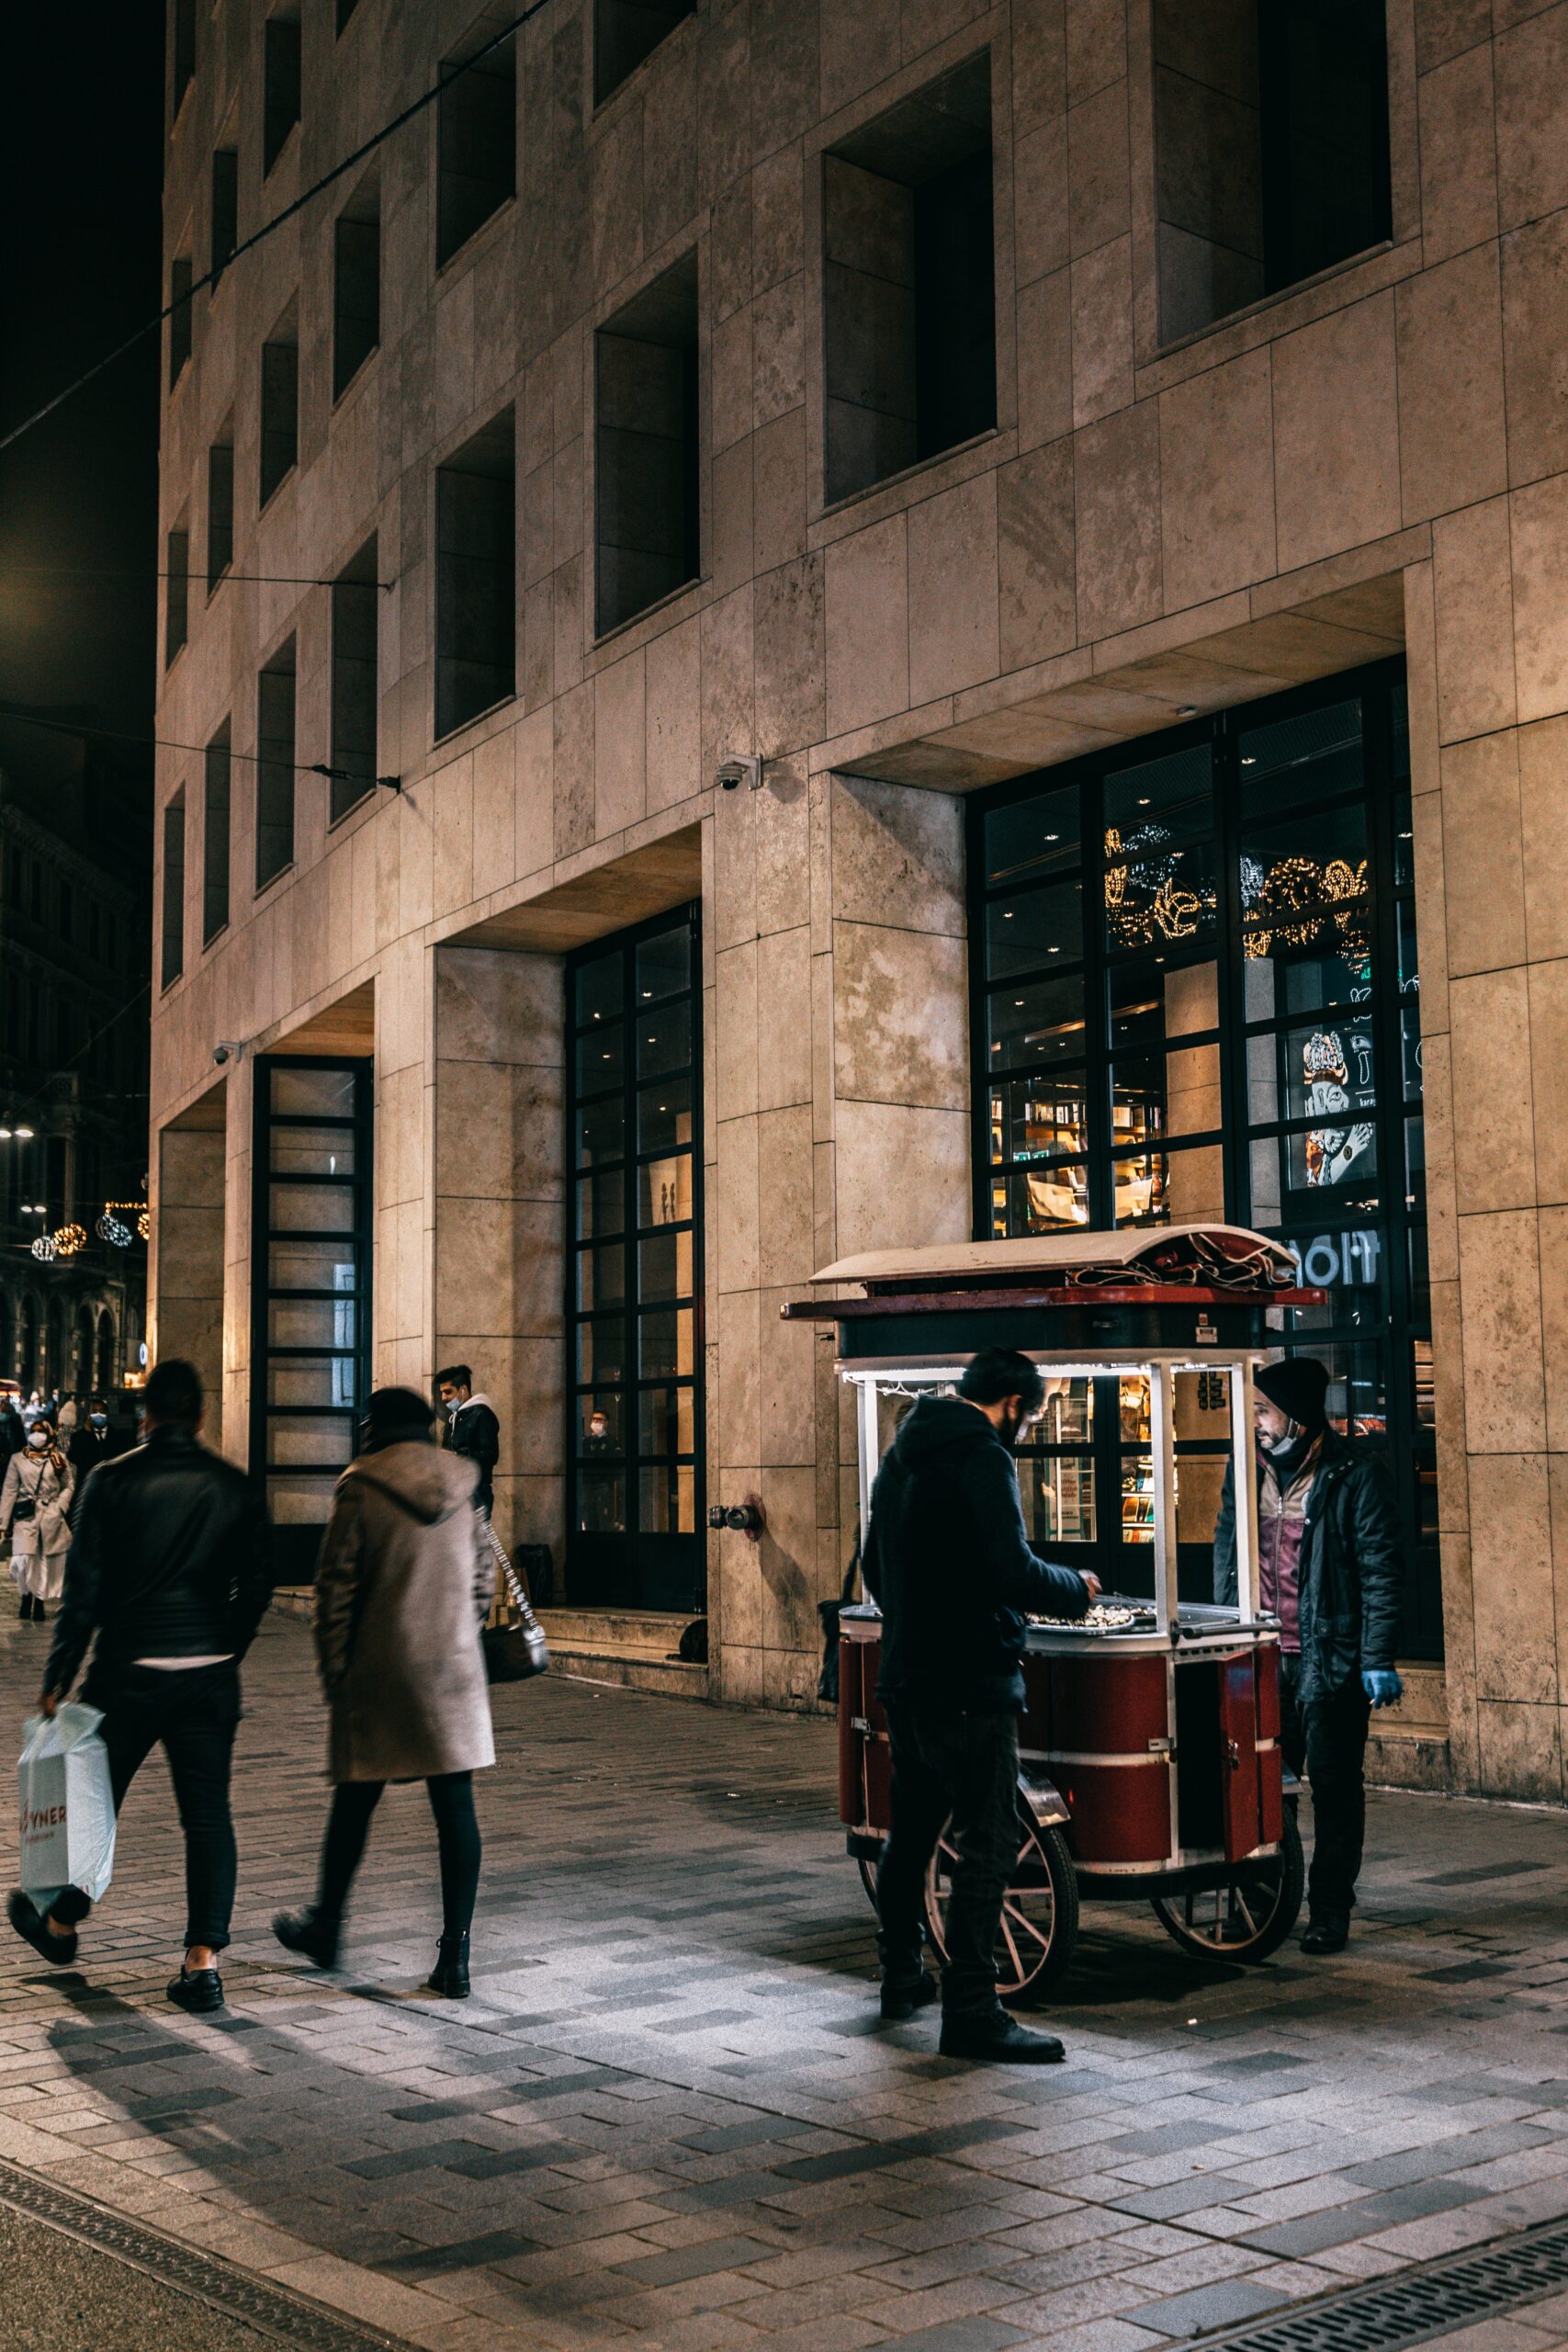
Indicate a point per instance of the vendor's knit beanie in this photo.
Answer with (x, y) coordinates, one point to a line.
(1299, 1386)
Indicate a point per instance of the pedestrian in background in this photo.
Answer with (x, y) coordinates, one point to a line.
(66, 1419)
(1331, 1569)
(35, 1503)
(403, 1587)
(13, 1436)
(168, 1576)
(96, 1441)
(472, 1429)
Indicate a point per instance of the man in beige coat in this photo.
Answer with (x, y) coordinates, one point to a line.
(403, 1587)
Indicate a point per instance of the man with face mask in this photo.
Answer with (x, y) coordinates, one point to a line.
(472, 1429)
(93, 1441)
(947, 1557)
(1331, 1570)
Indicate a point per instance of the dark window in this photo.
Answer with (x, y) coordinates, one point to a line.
(67, 912)
(179, 317)
(182, 48)
(220, 510)
(310, 1291)
(176, 592)
(225, 206)
(174, 889)
(908, 286)
(625, 32)
(634, 1281)
(1271, 140)
(476, 142)
(275, 766)
(647, 463)
(279, 411)
(1198, 994)
(356, 295)
(345, 9)
(280, 86)
(215, 836)
(476, 578)
(356, 601)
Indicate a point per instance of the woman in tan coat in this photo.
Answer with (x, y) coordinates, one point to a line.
(402, 1588)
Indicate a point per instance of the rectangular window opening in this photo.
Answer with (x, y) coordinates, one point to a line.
(357, 289)
(625, 32)
(476, 145)
(215, 832)
(225, 223)
(280, 84)
(173, 948)
(1271, 145)
(646, 464)
(356, 601)
(179, 317)
(909, 286)
(275, 766)
(345, 9)
(279, 406)
(476, 577)
(220, 507)
(182, 48)
(176, 590)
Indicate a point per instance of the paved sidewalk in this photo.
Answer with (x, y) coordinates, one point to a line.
(669, 2119)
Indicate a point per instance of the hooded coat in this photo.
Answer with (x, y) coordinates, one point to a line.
(947, 1558)
(403, 1585)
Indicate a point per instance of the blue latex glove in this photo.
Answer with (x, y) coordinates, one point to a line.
(1382, 1686)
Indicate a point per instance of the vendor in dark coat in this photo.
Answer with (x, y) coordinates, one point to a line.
(947, 1557)
(1332, 1571)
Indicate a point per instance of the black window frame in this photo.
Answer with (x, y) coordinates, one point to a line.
(1396, 1315)
(296, 1544)
(634, 1567)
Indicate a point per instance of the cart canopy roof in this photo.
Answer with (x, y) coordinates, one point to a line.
(1146, 1254)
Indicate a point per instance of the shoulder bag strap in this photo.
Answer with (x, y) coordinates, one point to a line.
(520, 1599)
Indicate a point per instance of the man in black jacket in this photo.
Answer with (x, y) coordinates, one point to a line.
(471, 1429)
(170, 1571)
(1331, 1569)
(94, 1440)
(948, 1560)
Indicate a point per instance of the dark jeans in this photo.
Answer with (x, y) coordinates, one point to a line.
(192, 1713)
(457, 1836)
(1327, 1742)
(961, 1772)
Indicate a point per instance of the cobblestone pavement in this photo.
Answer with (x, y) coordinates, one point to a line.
(668, 2117)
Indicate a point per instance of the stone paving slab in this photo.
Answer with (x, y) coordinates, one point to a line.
(671, 2117)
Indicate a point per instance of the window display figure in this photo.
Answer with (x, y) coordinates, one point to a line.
(1331, 1571)
(599, 1514)
(1331, 1152)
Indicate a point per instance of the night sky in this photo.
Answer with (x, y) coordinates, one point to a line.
(81, 165)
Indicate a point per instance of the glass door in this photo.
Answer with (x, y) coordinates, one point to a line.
(634, 1303)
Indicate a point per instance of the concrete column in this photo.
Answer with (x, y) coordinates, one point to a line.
(188, 1277)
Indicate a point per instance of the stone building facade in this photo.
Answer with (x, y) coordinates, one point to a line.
(700, 445)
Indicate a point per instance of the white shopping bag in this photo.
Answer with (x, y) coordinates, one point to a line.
(67, 1806)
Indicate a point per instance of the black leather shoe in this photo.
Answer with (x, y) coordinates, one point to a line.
(197, 1990)
(901, 1997)
(998, 2040)
(34, 1928)
(308, 1933)
(25, 1607)
(450, 1973)
(1325, 1934)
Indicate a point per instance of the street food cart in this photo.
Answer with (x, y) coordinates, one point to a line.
(1150, 1763)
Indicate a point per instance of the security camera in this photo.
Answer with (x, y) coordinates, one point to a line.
(742, 769)
(224, 1051)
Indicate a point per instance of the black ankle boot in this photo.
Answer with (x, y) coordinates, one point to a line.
(450, 1973)
(308, 1933)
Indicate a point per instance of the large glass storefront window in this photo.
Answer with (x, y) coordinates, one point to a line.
(1199, 997)
(311, 1292)
(634, 1281)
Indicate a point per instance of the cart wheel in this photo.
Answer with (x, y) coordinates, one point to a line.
(868, 1878)
(1249, 1918)
(1040, 1913)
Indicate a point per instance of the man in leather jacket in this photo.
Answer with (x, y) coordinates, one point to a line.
(168, 1576)
(1332, 1571)
(948, 1559)
(471, 1429)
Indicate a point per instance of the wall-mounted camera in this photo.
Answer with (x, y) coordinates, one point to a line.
(225, 1050)
(748, 1519)
(734, 773)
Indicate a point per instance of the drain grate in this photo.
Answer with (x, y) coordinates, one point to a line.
(309, 2327)
(1415, 2306)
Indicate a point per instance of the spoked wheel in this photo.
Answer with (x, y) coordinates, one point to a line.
(868, 1877)
(1247, 1918)
(1040, 1913)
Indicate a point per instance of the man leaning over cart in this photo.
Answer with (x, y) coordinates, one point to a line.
(947, 1559)
(1330, 1570)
